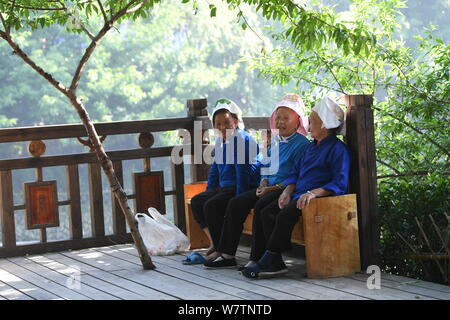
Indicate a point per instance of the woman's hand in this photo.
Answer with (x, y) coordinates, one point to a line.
(284, 199)
(304, 200)
(262, 185)
(261, 192)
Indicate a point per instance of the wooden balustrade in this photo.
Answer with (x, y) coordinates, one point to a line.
(41, 202)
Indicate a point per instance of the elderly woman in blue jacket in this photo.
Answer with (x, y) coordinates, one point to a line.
(323, 171)
(233, 170)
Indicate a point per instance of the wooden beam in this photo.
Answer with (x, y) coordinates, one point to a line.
(119, 224)
(75, 220)
(105, 128)
(363, 179)
(96, 200)
(74, 159)
(178, 201)
(7, 210)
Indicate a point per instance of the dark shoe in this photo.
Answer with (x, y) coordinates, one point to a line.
(257, 271)
(220, 263)
(276, 268)
(251, 272)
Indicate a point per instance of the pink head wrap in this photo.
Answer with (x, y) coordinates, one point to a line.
(295, 103)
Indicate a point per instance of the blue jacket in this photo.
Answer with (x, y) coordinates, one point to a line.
(290, 151)
(234, 163)
(325, 165)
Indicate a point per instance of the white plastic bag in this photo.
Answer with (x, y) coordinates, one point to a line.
(160, 236)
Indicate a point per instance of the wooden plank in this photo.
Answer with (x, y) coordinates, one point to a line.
(167, 267)
(374, 235)
(7, 211)
(41, 202)
(178, 199)
(405, 287)
(94, 259)
(89, 291)
(80, 158)
(113, 290)
(119, 224)
(416, 282)
(9, 293)
(73, 184)
(149, 191)
(297, 274)
(57, 246)
(182, 289)
(331, 238)
(96, 199)
(41, 280)
(360, 288)
(102, 128)
(24, 286)
(195, 234)
(361, 143)
(277, 288)
(137, 288)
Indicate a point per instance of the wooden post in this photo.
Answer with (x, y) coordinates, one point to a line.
(360, 139)
(178, 201)
(73, 182)
(197, 108)
(7, 210)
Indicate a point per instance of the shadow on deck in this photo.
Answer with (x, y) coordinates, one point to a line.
(115, 273)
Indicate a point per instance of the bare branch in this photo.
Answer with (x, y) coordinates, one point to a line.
(95, 41)
(32, 64)
(103, 11)
(137, 7)
(416, 130)
(4, 25)
(389, 166)
(85, 30)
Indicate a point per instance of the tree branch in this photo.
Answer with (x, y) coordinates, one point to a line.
(389, 166)
(95, 41)
(6, 33)
(137, 7)
(103, 11)
(416, 130)
(32, 64)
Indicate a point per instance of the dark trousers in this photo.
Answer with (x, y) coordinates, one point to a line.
(272, 228)
(209, 209)
(237, 211)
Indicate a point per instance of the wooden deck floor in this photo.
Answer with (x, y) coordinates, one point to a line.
(115, 273)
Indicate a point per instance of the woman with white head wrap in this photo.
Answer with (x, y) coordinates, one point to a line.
(289, 124)
(233, 171)
(322, 171)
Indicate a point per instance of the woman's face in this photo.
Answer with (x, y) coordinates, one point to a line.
(286, 121)
(315, 126)
(225, 123)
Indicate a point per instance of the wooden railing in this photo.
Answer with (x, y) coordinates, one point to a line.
(41, 200)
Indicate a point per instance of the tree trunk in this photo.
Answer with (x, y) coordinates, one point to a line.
(116, 187)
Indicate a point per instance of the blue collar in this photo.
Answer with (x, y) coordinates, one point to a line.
(286, 139)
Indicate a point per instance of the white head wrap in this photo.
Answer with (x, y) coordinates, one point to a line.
(331, 115)
(295, 103)
(231, 107)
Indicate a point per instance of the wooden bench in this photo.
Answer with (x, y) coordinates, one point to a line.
(328, 228)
